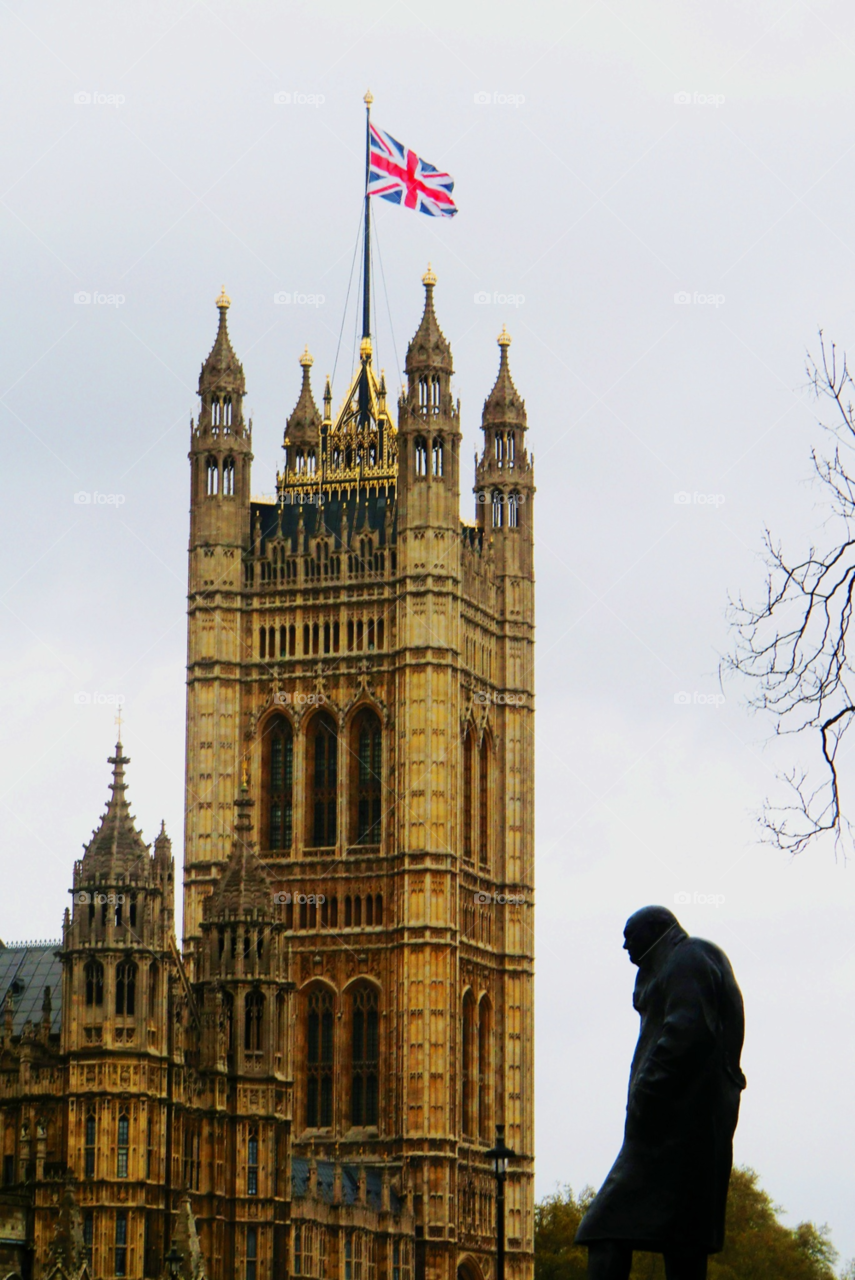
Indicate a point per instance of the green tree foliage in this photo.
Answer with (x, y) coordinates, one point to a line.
(758, 1246)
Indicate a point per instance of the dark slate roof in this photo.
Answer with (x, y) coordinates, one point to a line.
(359, 512)
(349, 1183)
(27, 969)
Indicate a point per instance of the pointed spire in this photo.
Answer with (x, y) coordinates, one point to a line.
(305, 420)
(429, 348)
(116, 846)
(244, 889)
(67, 1250)
(186, 1240)
(163, 846)
(222, 370)
(503, 405)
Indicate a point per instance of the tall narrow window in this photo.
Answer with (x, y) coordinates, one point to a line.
(485, 1073)
(122, 1146)
(467, 794)
(435, 392)
(213, 474)
(498, 509)
(251, 1253)
(365, 1056)
(253, 1022)
(467, 1053)
(89, 1136)
(229, 478)
(152, 990)
(319, 1059)
(126, 988)
(262, 642)
(421, 455)
(323, 762)
(298, 1249)
(252, 1163)
(120, 1261)
(278, 774)
(366, 784)
(93, 976)
(514, 511)
(484, 802)
(436, 454)
(88, 1234)
(132, 911)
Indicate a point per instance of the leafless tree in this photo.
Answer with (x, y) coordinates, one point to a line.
(793, 646)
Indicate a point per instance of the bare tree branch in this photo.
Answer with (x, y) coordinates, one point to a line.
(792, 647)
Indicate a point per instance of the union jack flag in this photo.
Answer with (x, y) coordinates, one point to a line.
(399, 175)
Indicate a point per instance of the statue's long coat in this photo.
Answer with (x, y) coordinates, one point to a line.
(668, 1187)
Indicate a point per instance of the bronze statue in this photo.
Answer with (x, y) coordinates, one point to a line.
(667, 1190)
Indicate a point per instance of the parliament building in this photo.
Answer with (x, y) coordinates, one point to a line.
(308, 1085)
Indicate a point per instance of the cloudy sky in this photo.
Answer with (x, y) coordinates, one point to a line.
(658, 201)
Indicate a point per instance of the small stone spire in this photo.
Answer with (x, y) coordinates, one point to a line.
(304, 423)
(116, 846)
(504, 406)
(67, 1250)
(429, 349)
(186, 1240)
(222, 371)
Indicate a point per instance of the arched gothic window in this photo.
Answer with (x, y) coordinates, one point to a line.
(436, 455)
(364, 1056)
(319, 1059)
(126, 988)
(94, 978)
(213, 481)
(215, 412)
(366, 785)
(485, 1065)
(278, 783)
(511, 449)
(424, 394)
(498, 509)
(435, 392)
(323, 784)
(468, 1067)
(229, 478)
(253, 1021)
(227, 412)
(421, 455)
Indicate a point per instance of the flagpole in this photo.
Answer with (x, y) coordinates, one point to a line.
(366, 247)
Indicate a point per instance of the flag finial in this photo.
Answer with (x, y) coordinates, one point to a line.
(224, 301)
(369, 98)
(306, 360)
(429, 277)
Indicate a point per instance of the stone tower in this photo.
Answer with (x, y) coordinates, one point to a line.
(365, 658)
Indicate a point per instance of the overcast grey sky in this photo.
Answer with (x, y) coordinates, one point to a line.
(611, 160)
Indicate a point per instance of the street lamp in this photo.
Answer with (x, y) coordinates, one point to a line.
(173, 1262)
(500, 1154)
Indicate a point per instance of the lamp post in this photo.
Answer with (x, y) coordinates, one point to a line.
(500, 1154)
(173, 1262)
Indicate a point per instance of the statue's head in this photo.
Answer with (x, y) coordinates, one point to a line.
(648, 932)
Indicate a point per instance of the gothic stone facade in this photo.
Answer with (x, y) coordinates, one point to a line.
(320, 1070)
